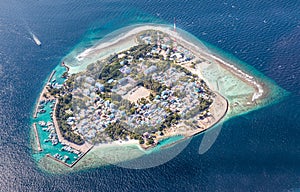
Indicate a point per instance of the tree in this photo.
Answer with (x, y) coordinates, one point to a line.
(150, 141)
(141, 140)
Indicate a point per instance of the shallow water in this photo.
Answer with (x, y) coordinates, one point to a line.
(258, 151)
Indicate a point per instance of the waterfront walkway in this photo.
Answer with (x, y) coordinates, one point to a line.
(82, 148)
(37, 137)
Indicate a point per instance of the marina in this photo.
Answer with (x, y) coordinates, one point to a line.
(48, 137)
(82, 148)
(48, 142)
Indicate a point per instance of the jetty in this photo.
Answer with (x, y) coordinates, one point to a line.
(37, 137)
(66, 164)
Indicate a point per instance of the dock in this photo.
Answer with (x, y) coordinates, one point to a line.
(59, 161)
(42, 94)
(66, 164)
(37, 137)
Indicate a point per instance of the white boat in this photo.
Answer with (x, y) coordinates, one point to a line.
(42, 123)
(36, 40)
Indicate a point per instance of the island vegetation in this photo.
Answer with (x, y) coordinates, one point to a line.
(144, 94)
(130, 95)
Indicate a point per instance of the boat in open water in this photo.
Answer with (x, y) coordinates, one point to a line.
(36, 40)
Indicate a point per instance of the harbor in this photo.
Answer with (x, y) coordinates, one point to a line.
(47, 135)
(48, 138)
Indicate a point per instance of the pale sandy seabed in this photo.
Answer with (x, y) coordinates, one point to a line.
(243, 96)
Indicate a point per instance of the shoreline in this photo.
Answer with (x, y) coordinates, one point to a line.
(126, 40)
(261, 90)
(44, 90)
(199, 51)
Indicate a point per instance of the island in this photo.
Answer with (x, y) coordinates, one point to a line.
(150, 83)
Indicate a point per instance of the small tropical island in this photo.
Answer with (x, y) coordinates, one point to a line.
(148, 84)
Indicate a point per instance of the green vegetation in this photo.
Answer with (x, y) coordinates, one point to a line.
(117, 131)
(204, 104)
(150, 141)
(182, 69)
(111, 71)
(171, 119)
(155, 86)
(64, 103)
(53, 91)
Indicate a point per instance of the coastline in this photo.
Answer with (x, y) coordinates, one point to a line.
(127, 40)
(41, 97)
(129, 37)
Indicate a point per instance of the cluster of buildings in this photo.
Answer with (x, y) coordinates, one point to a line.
(166, 47)
(149, 115)
(93, 115)
(92, 122)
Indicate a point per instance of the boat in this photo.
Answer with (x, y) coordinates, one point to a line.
(65, 158)
(41, 106)
(49, 123)
(42, 123)
(54, 142)
(42, 111)
(36, 40)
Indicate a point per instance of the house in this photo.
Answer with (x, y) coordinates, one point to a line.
(90, 80)
(99, 86)
(123, 81)
(150, 70)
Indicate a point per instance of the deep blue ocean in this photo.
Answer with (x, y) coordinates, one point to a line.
(259, 151)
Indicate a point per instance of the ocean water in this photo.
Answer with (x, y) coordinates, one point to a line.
(259, 151)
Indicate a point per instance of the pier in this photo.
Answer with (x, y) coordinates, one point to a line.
(59, 161)
(37, 137)
(66, 164)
